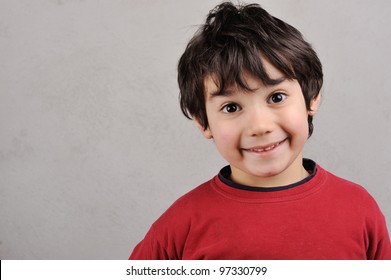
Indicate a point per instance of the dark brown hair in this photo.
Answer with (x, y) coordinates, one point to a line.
(235, 39)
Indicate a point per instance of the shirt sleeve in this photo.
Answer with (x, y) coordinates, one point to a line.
(378, 238)
(149, 248)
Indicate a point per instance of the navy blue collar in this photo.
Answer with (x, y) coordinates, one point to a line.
(225, 174)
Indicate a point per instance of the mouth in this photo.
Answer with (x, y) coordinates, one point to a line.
(266, 148)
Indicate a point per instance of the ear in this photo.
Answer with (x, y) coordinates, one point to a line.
(206, 132)
(314, 105)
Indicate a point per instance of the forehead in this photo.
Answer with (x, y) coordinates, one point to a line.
(212, 87)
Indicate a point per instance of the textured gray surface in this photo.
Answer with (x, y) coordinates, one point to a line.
(93, 146)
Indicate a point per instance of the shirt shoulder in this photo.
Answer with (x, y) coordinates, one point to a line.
(348, 190)
(167, 236)
(350, 197)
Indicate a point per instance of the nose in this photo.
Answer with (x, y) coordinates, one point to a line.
(260, 121)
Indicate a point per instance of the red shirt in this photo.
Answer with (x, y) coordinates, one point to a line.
(321, 217)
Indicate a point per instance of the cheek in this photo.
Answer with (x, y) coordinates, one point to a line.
(226, 137)
(297, 124)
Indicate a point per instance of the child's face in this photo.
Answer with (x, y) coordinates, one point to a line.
(262, 133)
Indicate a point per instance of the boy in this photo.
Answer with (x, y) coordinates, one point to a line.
(252, 84)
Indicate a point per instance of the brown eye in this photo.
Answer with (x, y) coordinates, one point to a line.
(277, 97)
(231, 108)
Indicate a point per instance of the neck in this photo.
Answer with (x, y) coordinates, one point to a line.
(293, 174)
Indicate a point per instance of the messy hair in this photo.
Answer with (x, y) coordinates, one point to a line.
(235, 40)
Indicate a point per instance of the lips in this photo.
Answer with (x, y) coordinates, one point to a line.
(266, 148)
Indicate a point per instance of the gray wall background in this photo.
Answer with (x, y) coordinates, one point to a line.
(93, 146)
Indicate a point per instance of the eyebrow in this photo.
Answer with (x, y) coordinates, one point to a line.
(230, 91)
(223, 93)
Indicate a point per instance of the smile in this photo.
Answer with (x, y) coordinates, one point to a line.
(267, 148)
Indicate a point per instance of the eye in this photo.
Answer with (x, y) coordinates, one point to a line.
(230, 108)
(277, 97)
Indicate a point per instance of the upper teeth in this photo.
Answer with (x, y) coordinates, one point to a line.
(265, 149)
